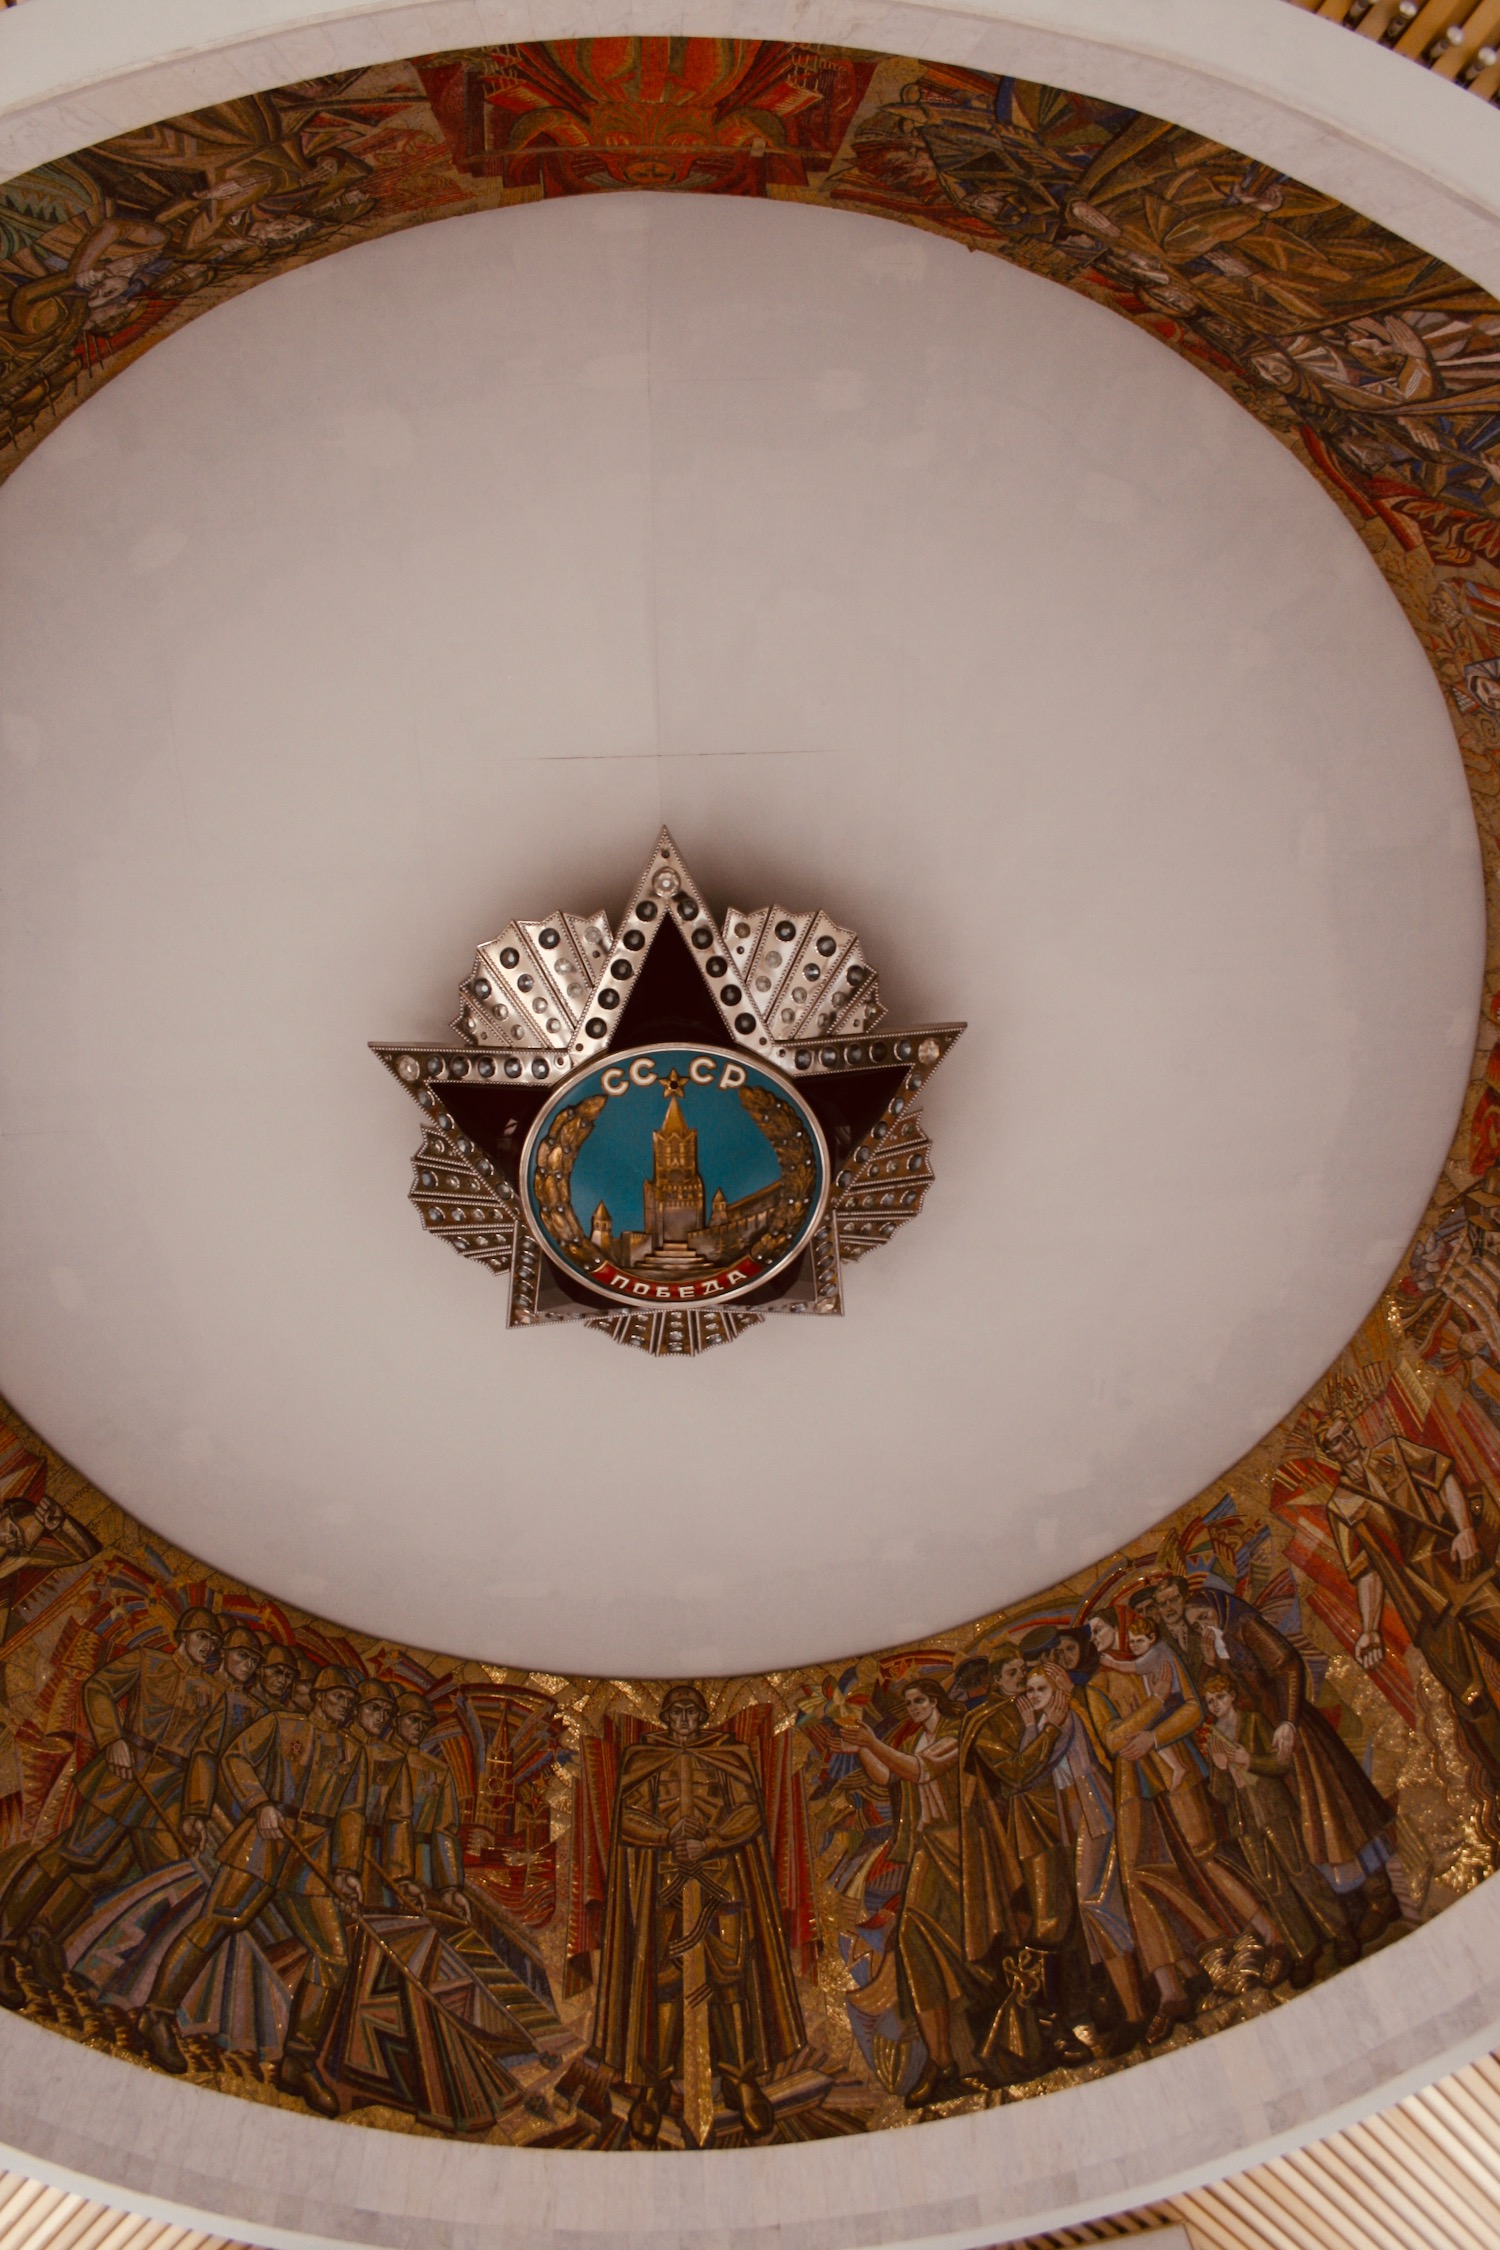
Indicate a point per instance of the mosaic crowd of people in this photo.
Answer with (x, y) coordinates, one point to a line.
(1104, 1821)
(302, 1791)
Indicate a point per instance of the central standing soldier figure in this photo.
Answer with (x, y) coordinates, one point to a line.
(157, 1717)
(303, 1782)
(695, 1975)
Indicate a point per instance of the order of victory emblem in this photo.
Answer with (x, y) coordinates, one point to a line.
(670, 1130)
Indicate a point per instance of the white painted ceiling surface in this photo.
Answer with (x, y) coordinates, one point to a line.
(414, 591)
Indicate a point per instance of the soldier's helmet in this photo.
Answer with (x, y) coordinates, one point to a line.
(332, 1676)
(199, 1621)
(243, 1636)
(377, 1691)
(306, 1669)
(413, 1706)
(279, 1658)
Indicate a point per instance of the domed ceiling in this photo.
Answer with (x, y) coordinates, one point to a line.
(413, 593)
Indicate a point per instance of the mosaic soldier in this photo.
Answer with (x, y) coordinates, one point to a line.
(436, 1870)
(1346, 1823)
(278, 1675)
(238, 1676)
(304, 1683)
(1406, 1535)
(240, 1672)
(695, 1974)
(299, 1848)
(157, 1719)
(388, 1852)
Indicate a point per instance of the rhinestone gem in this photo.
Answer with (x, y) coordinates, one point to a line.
(730, 995)
(633, 940)
(646, 911)
(596, 1027)
(827, 946)
(665, 883)
(549, 938)
(509, 957)
(744, 1023)
(718, 966)
(408, 1070)
(786, 931)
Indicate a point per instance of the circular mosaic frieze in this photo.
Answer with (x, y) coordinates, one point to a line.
(1020, 1853)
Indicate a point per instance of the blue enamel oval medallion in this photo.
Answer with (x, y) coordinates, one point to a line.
(675, 1174)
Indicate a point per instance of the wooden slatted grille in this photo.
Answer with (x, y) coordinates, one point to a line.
(1458, 39)
(1422, 2176)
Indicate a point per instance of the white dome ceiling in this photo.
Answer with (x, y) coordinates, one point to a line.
(415, 590)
